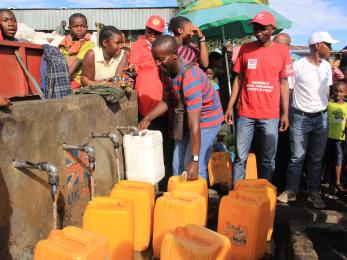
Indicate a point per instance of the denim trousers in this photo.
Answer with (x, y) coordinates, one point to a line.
(308, 136)
(267, 132)
(182, 151)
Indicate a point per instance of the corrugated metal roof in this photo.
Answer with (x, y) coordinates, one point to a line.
(122, 18)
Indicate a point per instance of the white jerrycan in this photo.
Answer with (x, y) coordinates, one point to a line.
(144, 160)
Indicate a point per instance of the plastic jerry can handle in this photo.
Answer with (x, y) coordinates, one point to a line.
(184, 176)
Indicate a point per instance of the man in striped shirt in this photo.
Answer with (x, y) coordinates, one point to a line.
(202, 108)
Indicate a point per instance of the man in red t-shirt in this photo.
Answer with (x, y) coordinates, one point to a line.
(263, 67)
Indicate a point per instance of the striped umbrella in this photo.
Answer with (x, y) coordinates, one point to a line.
(205, 4)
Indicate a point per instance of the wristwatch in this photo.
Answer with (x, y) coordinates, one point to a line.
(202, 39)
(195, 158)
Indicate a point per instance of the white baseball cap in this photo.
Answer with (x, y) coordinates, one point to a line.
(321, 37)
(218, 50)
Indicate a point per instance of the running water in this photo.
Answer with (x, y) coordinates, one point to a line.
(118, 166)
(55, 210)
(92, 180)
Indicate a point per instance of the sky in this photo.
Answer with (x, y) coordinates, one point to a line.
(307, 16)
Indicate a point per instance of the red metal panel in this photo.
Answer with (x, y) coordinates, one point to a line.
(13, 81)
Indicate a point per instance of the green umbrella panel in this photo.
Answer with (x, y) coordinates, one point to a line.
(233, 18)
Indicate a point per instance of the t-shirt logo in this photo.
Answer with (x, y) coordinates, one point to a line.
(252, 64)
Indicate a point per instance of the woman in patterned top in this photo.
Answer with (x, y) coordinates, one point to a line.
(184, 30)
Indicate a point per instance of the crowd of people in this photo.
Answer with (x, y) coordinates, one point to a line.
(179, 95)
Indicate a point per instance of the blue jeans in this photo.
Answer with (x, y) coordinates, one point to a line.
(182, 151)
(268, 136)
(308, 136)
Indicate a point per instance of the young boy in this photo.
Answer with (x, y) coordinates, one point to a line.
(75, 46)
(337, 115)
(210, 74)
(8, 25)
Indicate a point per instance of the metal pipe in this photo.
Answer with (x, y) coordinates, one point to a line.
(116, 145)
(132, 129)
(113, 137)
(53, 176)
(53, 180)
(85, 148)
(91, 158)
(51, 169)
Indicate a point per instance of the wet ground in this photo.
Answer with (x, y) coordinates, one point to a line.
(312, 233)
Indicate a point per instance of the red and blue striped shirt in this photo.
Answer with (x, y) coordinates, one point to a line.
(198, 93)
(190, 54)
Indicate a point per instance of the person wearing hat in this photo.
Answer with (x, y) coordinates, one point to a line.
(308, 131)
(262, 69)
(149, 87)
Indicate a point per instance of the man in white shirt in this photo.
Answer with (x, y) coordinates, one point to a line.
(308, 130)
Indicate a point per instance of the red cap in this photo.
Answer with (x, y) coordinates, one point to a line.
(156, 23)
(264, 18)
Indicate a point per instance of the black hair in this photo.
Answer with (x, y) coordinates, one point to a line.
(75, 15)
(107, 33)
(7, 10)
(167, 42)
(214, 56)
(176, 23)
(333, 87)
(339, 83)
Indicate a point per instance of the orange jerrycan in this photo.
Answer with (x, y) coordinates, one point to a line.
(113, 218)
(72, 243)
(251, 167)
(175, 209)
(241, 219)
(220, 168)
(195, 242)
(141, 194)
(265, 187)
(198, 186)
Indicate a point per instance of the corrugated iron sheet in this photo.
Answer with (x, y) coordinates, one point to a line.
(122, 18)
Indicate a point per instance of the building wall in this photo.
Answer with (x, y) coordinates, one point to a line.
(122, 18)
(35, 131)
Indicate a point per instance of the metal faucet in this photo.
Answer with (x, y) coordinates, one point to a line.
(85, 148)
(51, 169)
(116, 145)
(53, 180)
(133, 129)
(113, 137)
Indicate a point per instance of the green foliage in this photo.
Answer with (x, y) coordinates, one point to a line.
(244, 40)
(212, 44)
(218, 43)
(183, 3)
